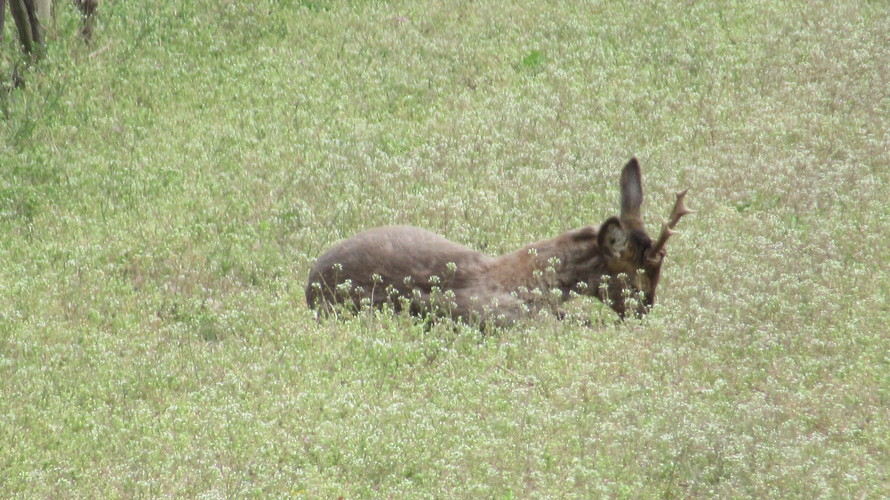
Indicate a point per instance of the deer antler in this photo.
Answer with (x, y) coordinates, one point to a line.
(667, 228)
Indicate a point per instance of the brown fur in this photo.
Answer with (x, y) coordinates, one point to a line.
(409, 266)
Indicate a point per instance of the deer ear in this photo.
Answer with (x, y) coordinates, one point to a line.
(612, 238)
(631, 194)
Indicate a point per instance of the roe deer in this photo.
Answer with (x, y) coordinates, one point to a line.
(407, 266)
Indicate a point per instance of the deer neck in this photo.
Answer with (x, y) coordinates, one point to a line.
(547, 265)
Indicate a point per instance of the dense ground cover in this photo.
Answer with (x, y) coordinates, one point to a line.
(164, 191)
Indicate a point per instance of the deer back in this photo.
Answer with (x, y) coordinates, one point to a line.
(385, 263)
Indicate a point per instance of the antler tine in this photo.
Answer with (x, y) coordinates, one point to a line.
(667, 228)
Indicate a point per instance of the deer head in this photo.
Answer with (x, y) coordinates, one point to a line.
(632, 261)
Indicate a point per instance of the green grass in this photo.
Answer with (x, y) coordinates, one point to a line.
(164, 191)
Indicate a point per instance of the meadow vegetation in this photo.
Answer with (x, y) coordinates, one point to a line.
(165, 189)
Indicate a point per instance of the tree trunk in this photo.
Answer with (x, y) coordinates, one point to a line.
(88, 10)
(44, 11)
(30, 32)
(2, 15)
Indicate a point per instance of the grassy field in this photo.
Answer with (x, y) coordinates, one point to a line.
(165, 189)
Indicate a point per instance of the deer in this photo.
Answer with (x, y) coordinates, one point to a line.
(411, 268)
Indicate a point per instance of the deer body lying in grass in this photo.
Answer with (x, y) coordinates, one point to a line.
(409, 267)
